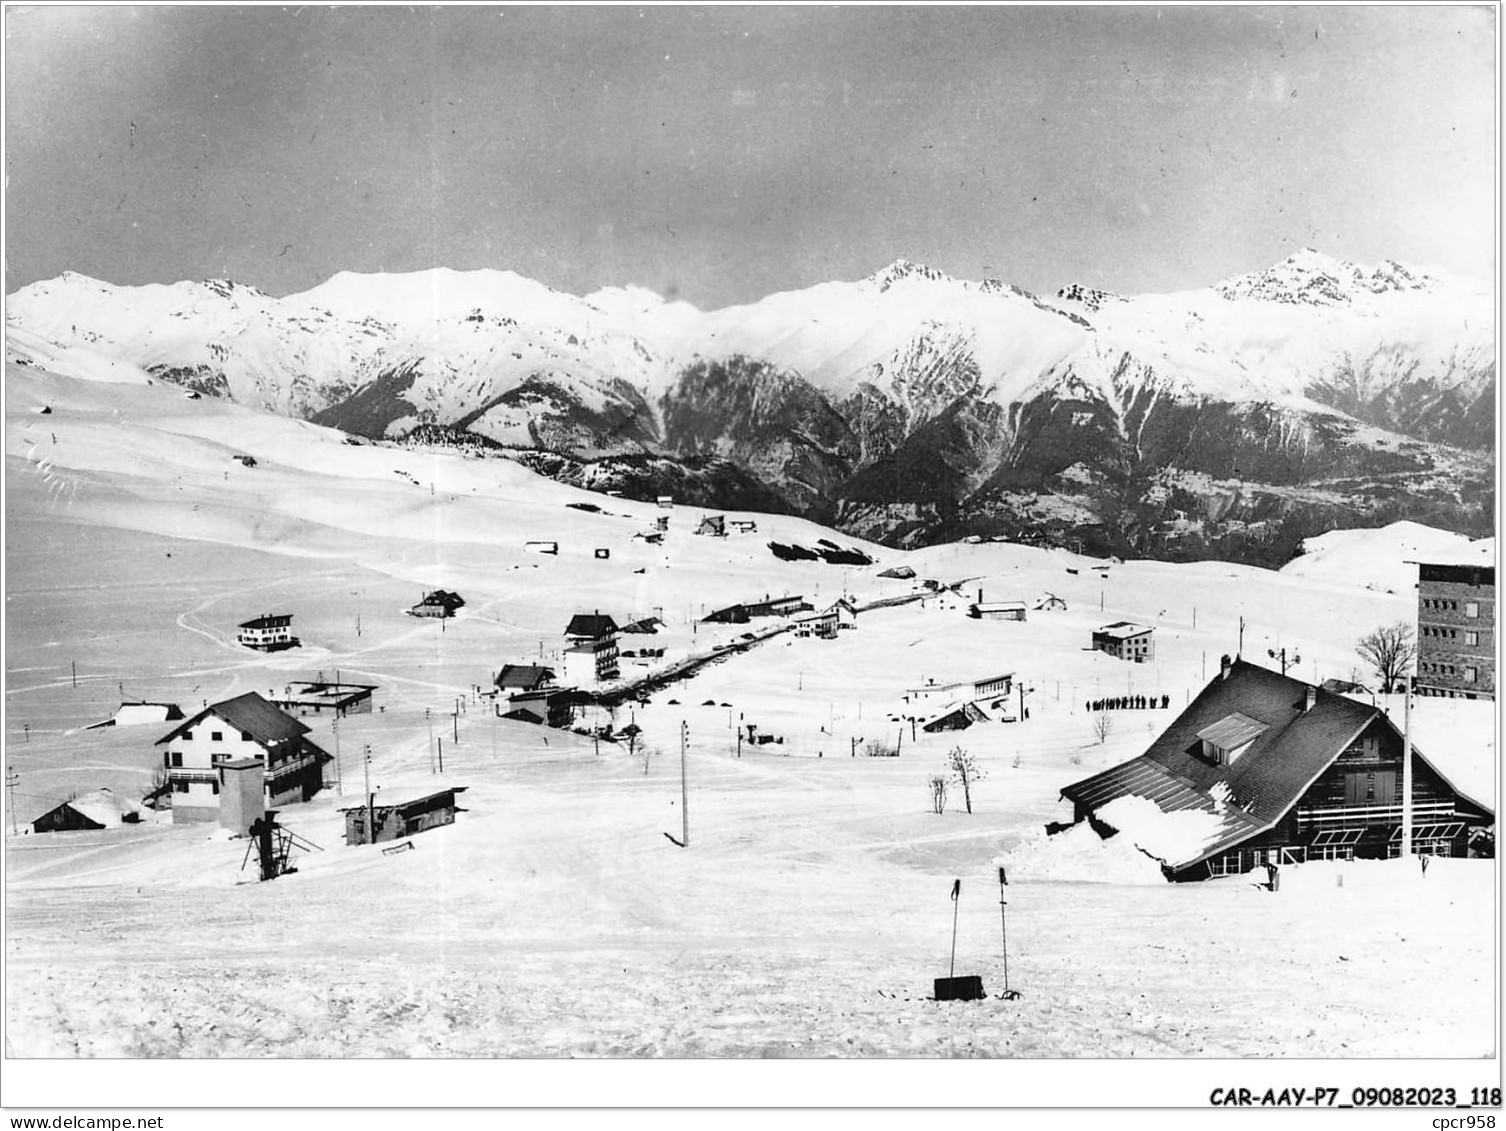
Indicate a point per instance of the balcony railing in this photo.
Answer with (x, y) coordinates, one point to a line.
(1370, 814)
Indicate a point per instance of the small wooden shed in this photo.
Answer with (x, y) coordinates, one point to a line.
(395, 818)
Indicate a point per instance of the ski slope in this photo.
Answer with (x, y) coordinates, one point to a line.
(810, 910)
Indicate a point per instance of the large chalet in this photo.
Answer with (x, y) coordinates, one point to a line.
(230, 732)
(1263, 768)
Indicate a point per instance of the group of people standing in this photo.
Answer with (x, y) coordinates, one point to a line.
(1130, 703)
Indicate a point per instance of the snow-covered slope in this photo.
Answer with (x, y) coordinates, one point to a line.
(1385, 558)
(810, 911)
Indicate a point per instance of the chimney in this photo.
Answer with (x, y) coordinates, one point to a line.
(1311, 698)
(1225, 666)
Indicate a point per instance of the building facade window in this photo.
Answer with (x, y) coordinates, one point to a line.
(1472, 609)
(1472, 639)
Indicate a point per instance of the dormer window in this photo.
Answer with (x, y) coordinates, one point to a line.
(1224, 741)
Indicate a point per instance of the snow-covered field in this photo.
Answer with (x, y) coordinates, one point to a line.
(810, 911)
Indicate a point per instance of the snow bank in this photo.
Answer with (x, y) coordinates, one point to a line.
(1173, 837)
(1078, 855)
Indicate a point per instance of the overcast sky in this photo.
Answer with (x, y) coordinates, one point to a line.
(720, 154)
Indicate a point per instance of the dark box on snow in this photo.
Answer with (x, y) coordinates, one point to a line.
(969, 987)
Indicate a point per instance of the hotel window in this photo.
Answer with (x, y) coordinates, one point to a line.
(216, 736)
(1471, 675)
(1472, 609)
(1472, 639)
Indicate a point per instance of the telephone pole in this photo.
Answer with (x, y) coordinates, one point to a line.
(335, 726)
(12, 779)
(1406, 773)
(370, 797)
(684, 792)
(1280, 654)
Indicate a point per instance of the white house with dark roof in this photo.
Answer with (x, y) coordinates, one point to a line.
(591, 652)
(244, 727)
(1125, 640)
(270, 632)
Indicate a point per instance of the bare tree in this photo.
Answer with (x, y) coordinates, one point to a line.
(938, 794)
(1390, 650)
(1103, 723)
(965, 769)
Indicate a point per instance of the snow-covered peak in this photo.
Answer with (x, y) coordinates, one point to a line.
(902, 269)
(1310, 277)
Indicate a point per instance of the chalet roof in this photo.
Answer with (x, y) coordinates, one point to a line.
(1295, 745)
(593, 625)
(1122, 629)
(526, 676)
(274, 620)
(442, 597)
(250, 713)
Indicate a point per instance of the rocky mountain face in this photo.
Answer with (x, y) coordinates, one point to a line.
(906, 407)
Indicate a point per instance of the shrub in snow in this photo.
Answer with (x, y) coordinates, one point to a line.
(938, 794)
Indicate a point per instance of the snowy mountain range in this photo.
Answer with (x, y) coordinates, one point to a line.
(906, 407)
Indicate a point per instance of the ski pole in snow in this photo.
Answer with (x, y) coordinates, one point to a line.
(951, 969)
(1004, 931)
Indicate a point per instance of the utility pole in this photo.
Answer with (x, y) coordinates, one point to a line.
(428, 718)
(1241, 650)
(684, 792)
(335, 726)
(74, 665)
(1280, 654)
(1406, 774)
(370, 797)
(12, 779)
(441, 754)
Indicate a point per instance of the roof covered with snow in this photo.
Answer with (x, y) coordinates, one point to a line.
(1122, 630)
(104, 807)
